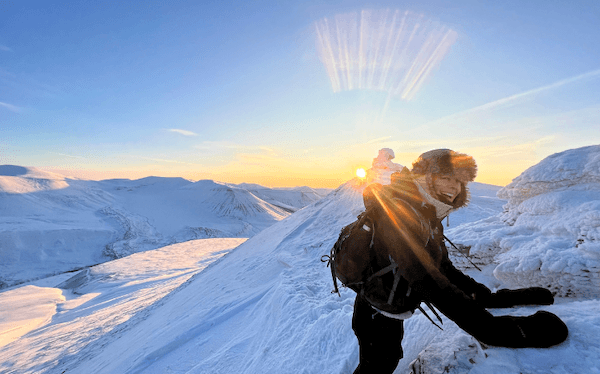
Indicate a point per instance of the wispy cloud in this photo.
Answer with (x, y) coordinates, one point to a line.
(515, 98)
(259, 159)
(5, 48)
(270, 151)
(503, 150)
(10, 107)
(70, 156)
(183, 132)
(379, 140)
(240, 154)
(525, 94)
(212, 145)
(28, 85)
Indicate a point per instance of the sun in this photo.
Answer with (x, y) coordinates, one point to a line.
(361, 173)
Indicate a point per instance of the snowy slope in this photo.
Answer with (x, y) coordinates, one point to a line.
(251, 312)
(216, 305)
(247, 312)
(93, 306)
(267, 307)
(54, 224)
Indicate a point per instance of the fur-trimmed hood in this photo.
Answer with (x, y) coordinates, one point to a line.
(447, 162)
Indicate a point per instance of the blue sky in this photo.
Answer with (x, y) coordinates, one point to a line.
(241, 91)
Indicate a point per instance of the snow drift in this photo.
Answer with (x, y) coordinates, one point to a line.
(549, 233)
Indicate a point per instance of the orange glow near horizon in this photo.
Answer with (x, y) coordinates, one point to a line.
(489, 175)
(316, 173)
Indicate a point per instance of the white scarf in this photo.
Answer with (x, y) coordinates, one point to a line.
(441, 209)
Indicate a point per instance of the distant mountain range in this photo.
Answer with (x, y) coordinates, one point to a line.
(55, 224)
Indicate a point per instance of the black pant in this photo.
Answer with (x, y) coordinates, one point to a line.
(379, 339)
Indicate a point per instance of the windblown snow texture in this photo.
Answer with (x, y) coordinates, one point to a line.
(549, 233)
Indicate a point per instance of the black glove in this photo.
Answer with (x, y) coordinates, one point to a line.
(541, 330)
(505, 298)
(482, 294)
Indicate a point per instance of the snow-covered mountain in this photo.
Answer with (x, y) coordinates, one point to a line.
(55, 224)
(266, 306)
(288, 199)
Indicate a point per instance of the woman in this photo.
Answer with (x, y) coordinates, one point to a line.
(410, 265)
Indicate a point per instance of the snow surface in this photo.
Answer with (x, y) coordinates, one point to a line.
(95, 305)
(266, 306)
(53, 224)
(549, 233)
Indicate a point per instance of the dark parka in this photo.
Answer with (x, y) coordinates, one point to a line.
(410, 235)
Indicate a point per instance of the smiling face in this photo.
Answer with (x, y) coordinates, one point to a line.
(446, 188)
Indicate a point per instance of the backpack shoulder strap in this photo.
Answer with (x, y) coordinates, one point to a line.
(361, 223)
